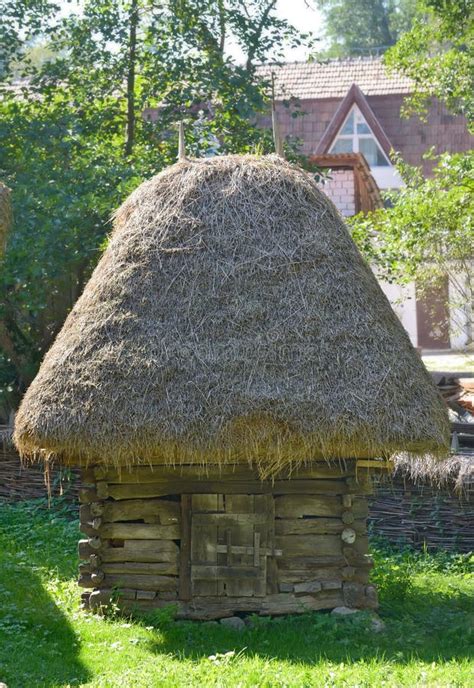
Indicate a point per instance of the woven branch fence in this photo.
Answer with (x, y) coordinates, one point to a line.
(422, 515)
(19, 482)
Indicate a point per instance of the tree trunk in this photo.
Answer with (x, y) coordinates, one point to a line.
(132, 55)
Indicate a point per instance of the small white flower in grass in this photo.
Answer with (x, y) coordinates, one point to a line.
(225, 657)
(117, 645)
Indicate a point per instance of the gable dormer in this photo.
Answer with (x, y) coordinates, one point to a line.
(355, 129)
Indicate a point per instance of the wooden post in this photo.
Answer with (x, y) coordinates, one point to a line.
(181, 143)
(184, 589)
(277, 140)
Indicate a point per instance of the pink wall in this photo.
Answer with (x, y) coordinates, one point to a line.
(340, 189)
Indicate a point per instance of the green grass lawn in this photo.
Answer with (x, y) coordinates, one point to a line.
(46, 640)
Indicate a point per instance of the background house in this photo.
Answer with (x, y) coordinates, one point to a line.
(347, 116)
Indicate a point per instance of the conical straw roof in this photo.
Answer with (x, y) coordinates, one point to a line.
(230, 318)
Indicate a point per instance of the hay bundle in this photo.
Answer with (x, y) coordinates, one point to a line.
(231, 316)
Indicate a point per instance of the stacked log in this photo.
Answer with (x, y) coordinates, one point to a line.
(307, 538)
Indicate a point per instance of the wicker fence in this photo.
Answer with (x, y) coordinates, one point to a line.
(18, 482)
(423, 515)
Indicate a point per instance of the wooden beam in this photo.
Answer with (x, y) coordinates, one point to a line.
(139, 531)
(184, 590)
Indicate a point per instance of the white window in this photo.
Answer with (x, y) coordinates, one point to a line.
(355, 136)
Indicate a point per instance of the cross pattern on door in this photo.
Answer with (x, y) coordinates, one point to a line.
(232, 539)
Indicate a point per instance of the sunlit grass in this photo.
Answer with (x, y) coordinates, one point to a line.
(46, 640)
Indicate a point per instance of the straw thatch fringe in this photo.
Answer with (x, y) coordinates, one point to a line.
(455, 472)
(231, 318)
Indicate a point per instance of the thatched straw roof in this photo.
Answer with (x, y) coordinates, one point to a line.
(455, 472)
(231, 318)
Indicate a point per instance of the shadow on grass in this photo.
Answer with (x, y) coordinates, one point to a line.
(426, 627)
(38, 646)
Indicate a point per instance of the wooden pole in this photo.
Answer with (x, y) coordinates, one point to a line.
(181, 144)
(277, 140)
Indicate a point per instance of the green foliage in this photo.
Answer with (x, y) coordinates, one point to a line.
(360, 27)
(427, 233)
(395, 569)
(75, 138)
(48, 642)
(438, 55)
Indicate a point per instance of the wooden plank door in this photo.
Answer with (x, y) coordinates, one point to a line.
(231, 539)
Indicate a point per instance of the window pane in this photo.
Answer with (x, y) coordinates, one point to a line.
(348, 127)
(372, 153)
(362, 128)
(342, 146)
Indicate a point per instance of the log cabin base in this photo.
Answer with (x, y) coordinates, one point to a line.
(218, 541)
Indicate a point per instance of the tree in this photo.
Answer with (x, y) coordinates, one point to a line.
(427, 235)
(438, 56)
(75, 138)
(359, 27)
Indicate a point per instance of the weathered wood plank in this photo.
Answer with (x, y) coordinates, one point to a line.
(139, 531)
(298, 506)
(88, 476)
(249, 550)
(305, 562)
(163, 488)
(309, 573)
(309, 545)
(185, 589)
(142, 551)
(271, 587)
(236, 471)
(225, 520)
(242, 536)
(88, 529)
(207, 503)
(204, 541)
(145, 568)
(271, 605)
(141, 582)
(308, 586)
(165, 512)
(87, 495)
(203, 572)
(85, 581)
(309, 526)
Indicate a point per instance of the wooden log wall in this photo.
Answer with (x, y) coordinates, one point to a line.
(140, 531)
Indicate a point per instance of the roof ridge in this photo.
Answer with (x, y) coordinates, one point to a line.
(330, 60)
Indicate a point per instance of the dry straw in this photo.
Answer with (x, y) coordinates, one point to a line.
(230, 319)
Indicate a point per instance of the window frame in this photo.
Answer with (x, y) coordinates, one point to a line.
(355, 136)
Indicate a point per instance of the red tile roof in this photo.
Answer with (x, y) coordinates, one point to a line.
(333, 78)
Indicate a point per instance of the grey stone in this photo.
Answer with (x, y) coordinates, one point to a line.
(376, 624)
(234, 622)
(343, 611)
